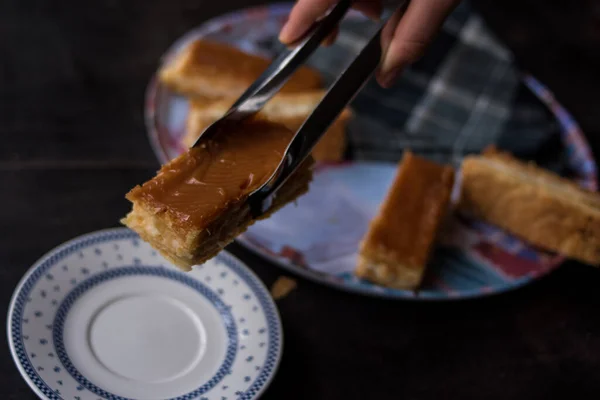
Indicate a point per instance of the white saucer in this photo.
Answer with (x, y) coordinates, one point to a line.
(105, 317)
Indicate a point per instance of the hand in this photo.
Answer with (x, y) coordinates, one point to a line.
(403, 40)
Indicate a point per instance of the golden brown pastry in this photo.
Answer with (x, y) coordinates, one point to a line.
(214, 70)
(534, 204)
(289, 109)
(196, 204)
(396, 248)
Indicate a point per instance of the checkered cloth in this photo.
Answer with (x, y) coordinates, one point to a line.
(463, 95)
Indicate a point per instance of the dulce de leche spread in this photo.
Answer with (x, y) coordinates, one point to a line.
(412, 212)
(199, 184)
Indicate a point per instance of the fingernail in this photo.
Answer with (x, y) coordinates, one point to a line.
(284, 34)
(388, 78)
(287, 35)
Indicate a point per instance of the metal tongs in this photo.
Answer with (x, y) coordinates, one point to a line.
(342, 92)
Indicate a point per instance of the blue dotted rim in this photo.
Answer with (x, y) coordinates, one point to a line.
(75, 294)
(43, 265)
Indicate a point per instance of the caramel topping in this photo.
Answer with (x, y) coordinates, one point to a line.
(200, 183)
(412, 212)
(224, 61)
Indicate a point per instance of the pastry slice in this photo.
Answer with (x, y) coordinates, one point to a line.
(196, 204)
(536, 205)
(289, 109)
(214, 70)
(396, 248)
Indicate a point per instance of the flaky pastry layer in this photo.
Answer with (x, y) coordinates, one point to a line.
(536, 205)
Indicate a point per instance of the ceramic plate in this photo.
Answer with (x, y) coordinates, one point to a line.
(318, 237)
(104, 317)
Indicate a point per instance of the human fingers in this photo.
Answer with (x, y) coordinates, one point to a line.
(408, 33)
(387, 34)
(306, 12)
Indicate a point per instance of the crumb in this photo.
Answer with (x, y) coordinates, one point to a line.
(282, 287)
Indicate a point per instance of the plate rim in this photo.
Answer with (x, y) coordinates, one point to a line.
(267, 303)
(402, 294)
(571, 135)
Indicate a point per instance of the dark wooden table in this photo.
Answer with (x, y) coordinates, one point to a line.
(72, 79)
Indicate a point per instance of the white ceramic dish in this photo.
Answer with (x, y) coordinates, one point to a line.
(103, 316)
